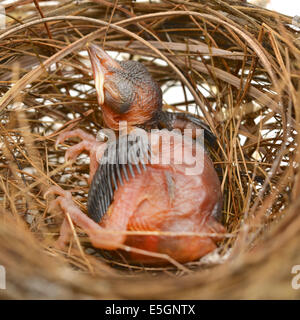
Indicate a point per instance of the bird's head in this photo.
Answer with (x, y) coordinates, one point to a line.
(124, 89)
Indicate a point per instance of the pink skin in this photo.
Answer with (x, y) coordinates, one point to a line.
(160, 205)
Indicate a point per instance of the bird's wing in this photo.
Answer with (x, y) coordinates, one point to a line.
(122, 160)
(169, 120)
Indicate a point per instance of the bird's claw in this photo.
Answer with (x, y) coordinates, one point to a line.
(73, 152)
(56, 190)
(87, 144)
(77, 133)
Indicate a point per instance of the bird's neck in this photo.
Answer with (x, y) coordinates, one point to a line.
(134, 117)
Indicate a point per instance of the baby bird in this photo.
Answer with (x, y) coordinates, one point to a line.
(171, 204)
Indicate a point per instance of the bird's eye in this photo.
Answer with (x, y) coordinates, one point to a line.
(119, 92)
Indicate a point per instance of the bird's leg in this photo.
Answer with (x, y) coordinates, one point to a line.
(65, 234)
(109, 238)
(89, 144)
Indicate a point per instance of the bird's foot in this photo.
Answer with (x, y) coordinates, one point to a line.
(99, 237)
(89, 144)
(65, 203)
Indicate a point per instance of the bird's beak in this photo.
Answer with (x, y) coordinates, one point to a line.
(96, 55)
(101, 62)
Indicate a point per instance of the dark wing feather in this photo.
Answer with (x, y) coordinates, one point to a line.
(121, 161)
(168, 120)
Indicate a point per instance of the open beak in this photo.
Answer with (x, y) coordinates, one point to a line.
(96, 55)
(100, 62)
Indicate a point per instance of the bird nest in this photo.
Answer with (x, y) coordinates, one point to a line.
(233, 64)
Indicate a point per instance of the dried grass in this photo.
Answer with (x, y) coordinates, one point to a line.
(246, 60)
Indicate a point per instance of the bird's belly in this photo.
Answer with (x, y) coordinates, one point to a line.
(165, 200)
